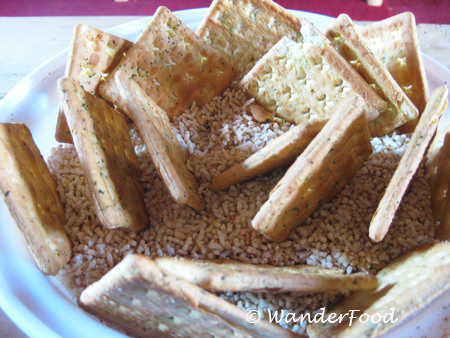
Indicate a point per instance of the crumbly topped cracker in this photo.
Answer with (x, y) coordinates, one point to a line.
(350, 44)
(173, 66)
(328, 163)
(230, 275)
(307, 81)
(93, 54)
(30, 193)
(243, 31)
(149, 302)
(404, 287)
(411, 159)
(107, 156)
(395, 42)
(156, 131)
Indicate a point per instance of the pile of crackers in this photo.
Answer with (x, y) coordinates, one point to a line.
(339, 87)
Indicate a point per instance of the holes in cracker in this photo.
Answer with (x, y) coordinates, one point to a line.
(287, 91)
(401, 61)
(253, 12)
(321, 97)
(92, 44)
(408, 89)
(87, 70)
(188, 77)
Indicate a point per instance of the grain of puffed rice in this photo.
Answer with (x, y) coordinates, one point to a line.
(216, 137)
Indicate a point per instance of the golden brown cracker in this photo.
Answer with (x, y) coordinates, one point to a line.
(280, 152)
(103, 144)
(307, 81)
(404, 287)
(30, 193)
(229, 275)
(243, 31)
(328, 163)
(92, 55)
(395, 42)
(345, 37)
(414, 154)
(145, 301)
(156, 131)
(173, 67)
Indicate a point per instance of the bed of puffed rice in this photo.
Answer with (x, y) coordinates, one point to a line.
(216, 137)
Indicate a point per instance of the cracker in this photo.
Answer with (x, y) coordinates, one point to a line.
(280, 152)
(229, 275)
(29, 191)
(93, 54)
(156, 131)
(328, 163)
(307, 81)
(404, 287)
(414, 154)
(350, 44)
(173, 66)
(243, 31)
(395, 42)
(145, 301)
(438, 169)
(106, 154)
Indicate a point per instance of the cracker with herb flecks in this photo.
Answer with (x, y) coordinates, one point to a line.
(156, 131)
(229, 275)
(404, 287)
(145, 301)
(280, 152)
(438, 170)
(93, 54)
(106, 154)
(29, 190)
(395, 42)
(414, 154)
(345, 37)
(328, 163)
(307, 81)
(173, 67)
(243, 31)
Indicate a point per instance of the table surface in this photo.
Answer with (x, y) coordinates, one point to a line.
(27, 42)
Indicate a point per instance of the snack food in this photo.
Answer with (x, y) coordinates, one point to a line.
(107, 156)
(29, 191)
(154, 127)
(173, 66)
(350, 44)
(243, 31)
(280, 152)
(229, 275)
(146, 301)
(307, 81)
(403, 288)
(328, 163)
(411, 159)
(93, 54)
(394, 41)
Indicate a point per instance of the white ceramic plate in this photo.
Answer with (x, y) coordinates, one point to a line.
(34, 302)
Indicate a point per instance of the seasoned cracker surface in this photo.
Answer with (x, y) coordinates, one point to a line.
(29, 191)
(173, 66)
(215, 138)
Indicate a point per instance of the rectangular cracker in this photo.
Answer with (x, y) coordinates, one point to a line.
(328, 163)
(106, 154)
(156, 131)
(345, 37)
(280, 152)
(140, 298)
(29, 190)
(307, 81)
(395, 42)
(229, 275)
(404, 287)
(438, 169)
(243, 31)
(92, 55)
(414, 154)
(173, 66)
